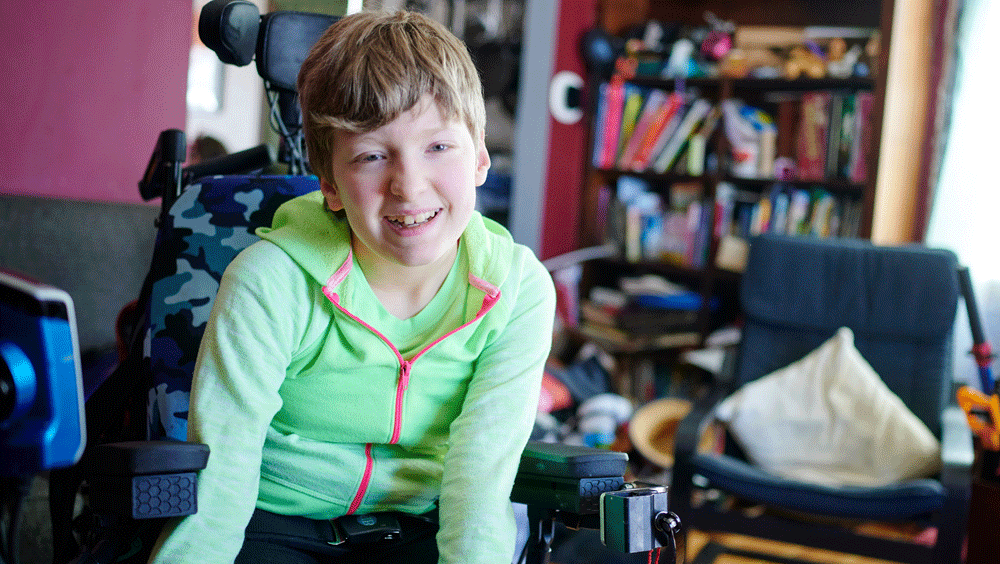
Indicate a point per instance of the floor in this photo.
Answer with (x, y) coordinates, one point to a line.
(36, 530)
(697, 540)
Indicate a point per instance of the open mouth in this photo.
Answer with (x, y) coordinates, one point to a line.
(412, 220)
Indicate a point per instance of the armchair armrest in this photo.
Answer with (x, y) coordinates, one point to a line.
(957, 451)
(957, 458)
(686, 441)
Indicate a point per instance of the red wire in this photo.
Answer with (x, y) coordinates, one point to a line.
(650, 559)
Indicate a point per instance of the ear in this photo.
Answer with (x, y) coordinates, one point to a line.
(331, 195)
(482, 159)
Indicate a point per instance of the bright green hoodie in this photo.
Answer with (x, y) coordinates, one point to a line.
(315, 401)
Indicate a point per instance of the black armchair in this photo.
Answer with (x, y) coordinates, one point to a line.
(900, 302)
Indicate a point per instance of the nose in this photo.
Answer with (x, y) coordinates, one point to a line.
(407, 179)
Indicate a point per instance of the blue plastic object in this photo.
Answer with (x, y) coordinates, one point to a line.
(44, 427)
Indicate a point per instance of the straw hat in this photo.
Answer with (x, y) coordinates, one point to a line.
(654, 426)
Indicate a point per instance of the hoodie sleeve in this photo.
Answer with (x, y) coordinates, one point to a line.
(241, 364)
(488, 437)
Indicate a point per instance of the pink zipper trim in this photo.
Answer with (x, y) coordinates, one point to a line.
(491, 298)
(404, 382)
(363, 487)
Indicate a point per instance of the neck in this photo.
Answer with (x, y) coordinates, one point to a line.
(404, 290)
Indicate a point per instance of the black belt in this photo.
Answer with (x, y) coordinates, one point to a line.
(337, 536)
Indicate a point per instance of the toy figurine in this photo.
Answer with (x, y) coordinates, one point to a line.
(804, 61)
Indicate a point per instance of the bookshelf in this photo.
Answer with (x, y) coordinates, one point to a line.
(702, 194)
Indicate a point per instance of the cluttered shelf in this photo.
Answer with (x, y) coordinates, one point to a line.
(702, 136)
(780, 133)
(691, 155)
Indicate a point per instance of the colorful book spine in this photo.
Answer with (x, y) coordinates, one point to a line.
(813, 135)
(614, 102)
(630, 115)
(798, 212)
(698, 144)
(848, 122)
(657, 129)
(650, 108)
(600, 116)
(692, 118)
(725, 205)
(863, 137)
(834, 132)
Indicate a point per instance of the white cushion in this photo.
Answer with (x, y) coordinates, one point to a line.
(828, 418)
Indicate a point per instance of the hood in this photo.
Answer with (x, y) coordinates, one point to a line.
(319, 242)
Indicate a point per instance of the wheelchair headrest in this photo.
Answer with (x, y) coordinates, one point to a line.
(284, 41)
(230, 28)
(236, 31)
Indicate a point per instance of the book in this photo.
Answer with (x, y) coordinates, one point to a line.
(692, 118)
(644, 320)
(787, 122)
(834, 131)
(780, 204)
(614, 102)
(661, 120)
(698, 144)
(667, 132)
(599, 125)
(822, 208)
(847, 126)
(760, 221)
(863, 137)
(620, 340)
(725, 205)
(630, 115)
(798, 212)
(654, 99)
(702, 235)
(811, 144)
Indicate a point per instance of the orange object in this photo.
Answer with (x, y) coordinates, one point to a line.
(983, 414)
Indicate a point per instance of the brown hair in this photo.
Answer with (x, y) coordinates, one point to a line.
(370, 67)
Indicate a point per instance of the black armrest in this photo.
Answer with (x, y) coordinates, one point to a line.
(146, 479)
(135, 458)
(566, 477)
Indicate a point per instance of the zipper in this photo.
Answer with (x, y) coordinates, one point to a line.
(363, 487)
(405, 366)
(404, 382)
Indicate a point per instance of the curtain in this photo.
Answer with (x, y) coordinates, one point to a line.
(965, 214)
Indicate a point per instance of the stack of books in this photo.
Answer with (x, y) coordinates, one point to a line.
(651, 130)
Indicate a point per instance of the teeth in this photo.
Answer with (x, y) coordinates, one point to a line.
(412, 219)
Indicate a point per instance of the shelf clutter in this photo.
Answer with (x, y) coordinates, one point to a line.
(774, 133)
(703, 133)
(703, 136)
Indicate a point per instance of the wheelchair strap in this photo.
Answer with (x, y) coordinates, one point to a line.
(340, 535)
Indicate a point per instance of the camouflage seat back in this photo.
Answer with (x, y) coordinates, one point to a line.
(212, 221)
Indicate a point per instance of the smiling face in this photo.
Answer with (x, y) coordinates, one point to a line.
(408, 188)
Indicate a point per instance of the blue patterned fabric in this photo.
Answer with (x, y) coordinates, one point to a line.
(211, 221)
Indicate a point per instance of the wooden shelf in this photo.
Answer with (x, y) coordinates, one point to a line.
(616, 16)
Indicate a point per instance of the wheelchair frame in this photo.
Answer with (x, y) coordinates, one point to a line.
(577, 486)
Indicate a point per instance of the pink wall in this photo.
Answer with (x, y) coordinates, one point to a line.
(568, 143)
(88, 87)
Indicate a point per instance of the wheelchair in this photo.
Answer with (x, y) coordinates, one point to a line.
(136, 470)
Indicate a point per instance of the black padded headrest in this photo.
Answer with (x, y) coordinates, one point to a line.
(283, 42)
(230, 28)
